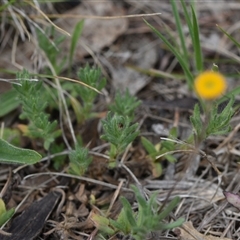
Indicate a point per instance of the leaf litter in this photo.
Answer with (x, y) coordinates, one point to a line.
(207, 214)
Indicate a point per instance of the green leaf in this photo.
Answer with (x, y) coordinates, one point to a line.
(75, 37)
(8, 102)
(142, 206)
(219, 122)
(128, 212)
(188, 18)
(102, 223)
(173, 133)
(180, 31)
(196, 120)
(196, 43)
(170, 158)
(16, 155)
(227, 110)
(122, 223)
(169, 208)
(2, 207)
(174, 224)
(4, 217)
(150, 148)
(228, 95)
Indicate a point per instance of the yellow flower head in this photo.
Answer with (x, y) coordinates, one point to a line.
(210, 85)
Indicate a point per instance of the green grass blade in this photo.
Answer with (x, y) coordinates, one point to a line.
(187, 72)
(196, 43)
(16, 155)
(230, 37)
(180, 31)
(174, 224)
(75, 37)
(169, 208)
(188, 18)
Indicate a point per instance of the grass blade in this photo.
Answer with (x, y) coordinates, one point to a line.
(230, 37)
(75, 36)
(188, 18)
(169, 208)
(196, 43)
(180, 31)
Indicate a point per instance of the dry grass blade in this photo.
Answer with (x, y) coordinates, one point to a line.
(47, 18)
(97, 17)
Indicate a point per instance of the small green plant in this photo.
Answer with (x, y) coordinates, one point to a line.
(138, 224)
(117, 127)
(31, 96)
(79, 161)
(160, 151)
(215, 123)
(125, 104)
(92, 77)
(119, 132)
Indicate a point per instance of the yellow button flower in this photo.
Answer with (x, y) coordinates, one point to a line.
(210, 85)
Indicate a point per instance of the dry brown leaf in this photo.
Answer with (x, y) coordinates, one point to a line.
(188, 232)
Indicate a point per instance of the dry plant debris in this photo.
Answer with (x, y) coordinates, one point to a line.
(188, 232)
(130, 56)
